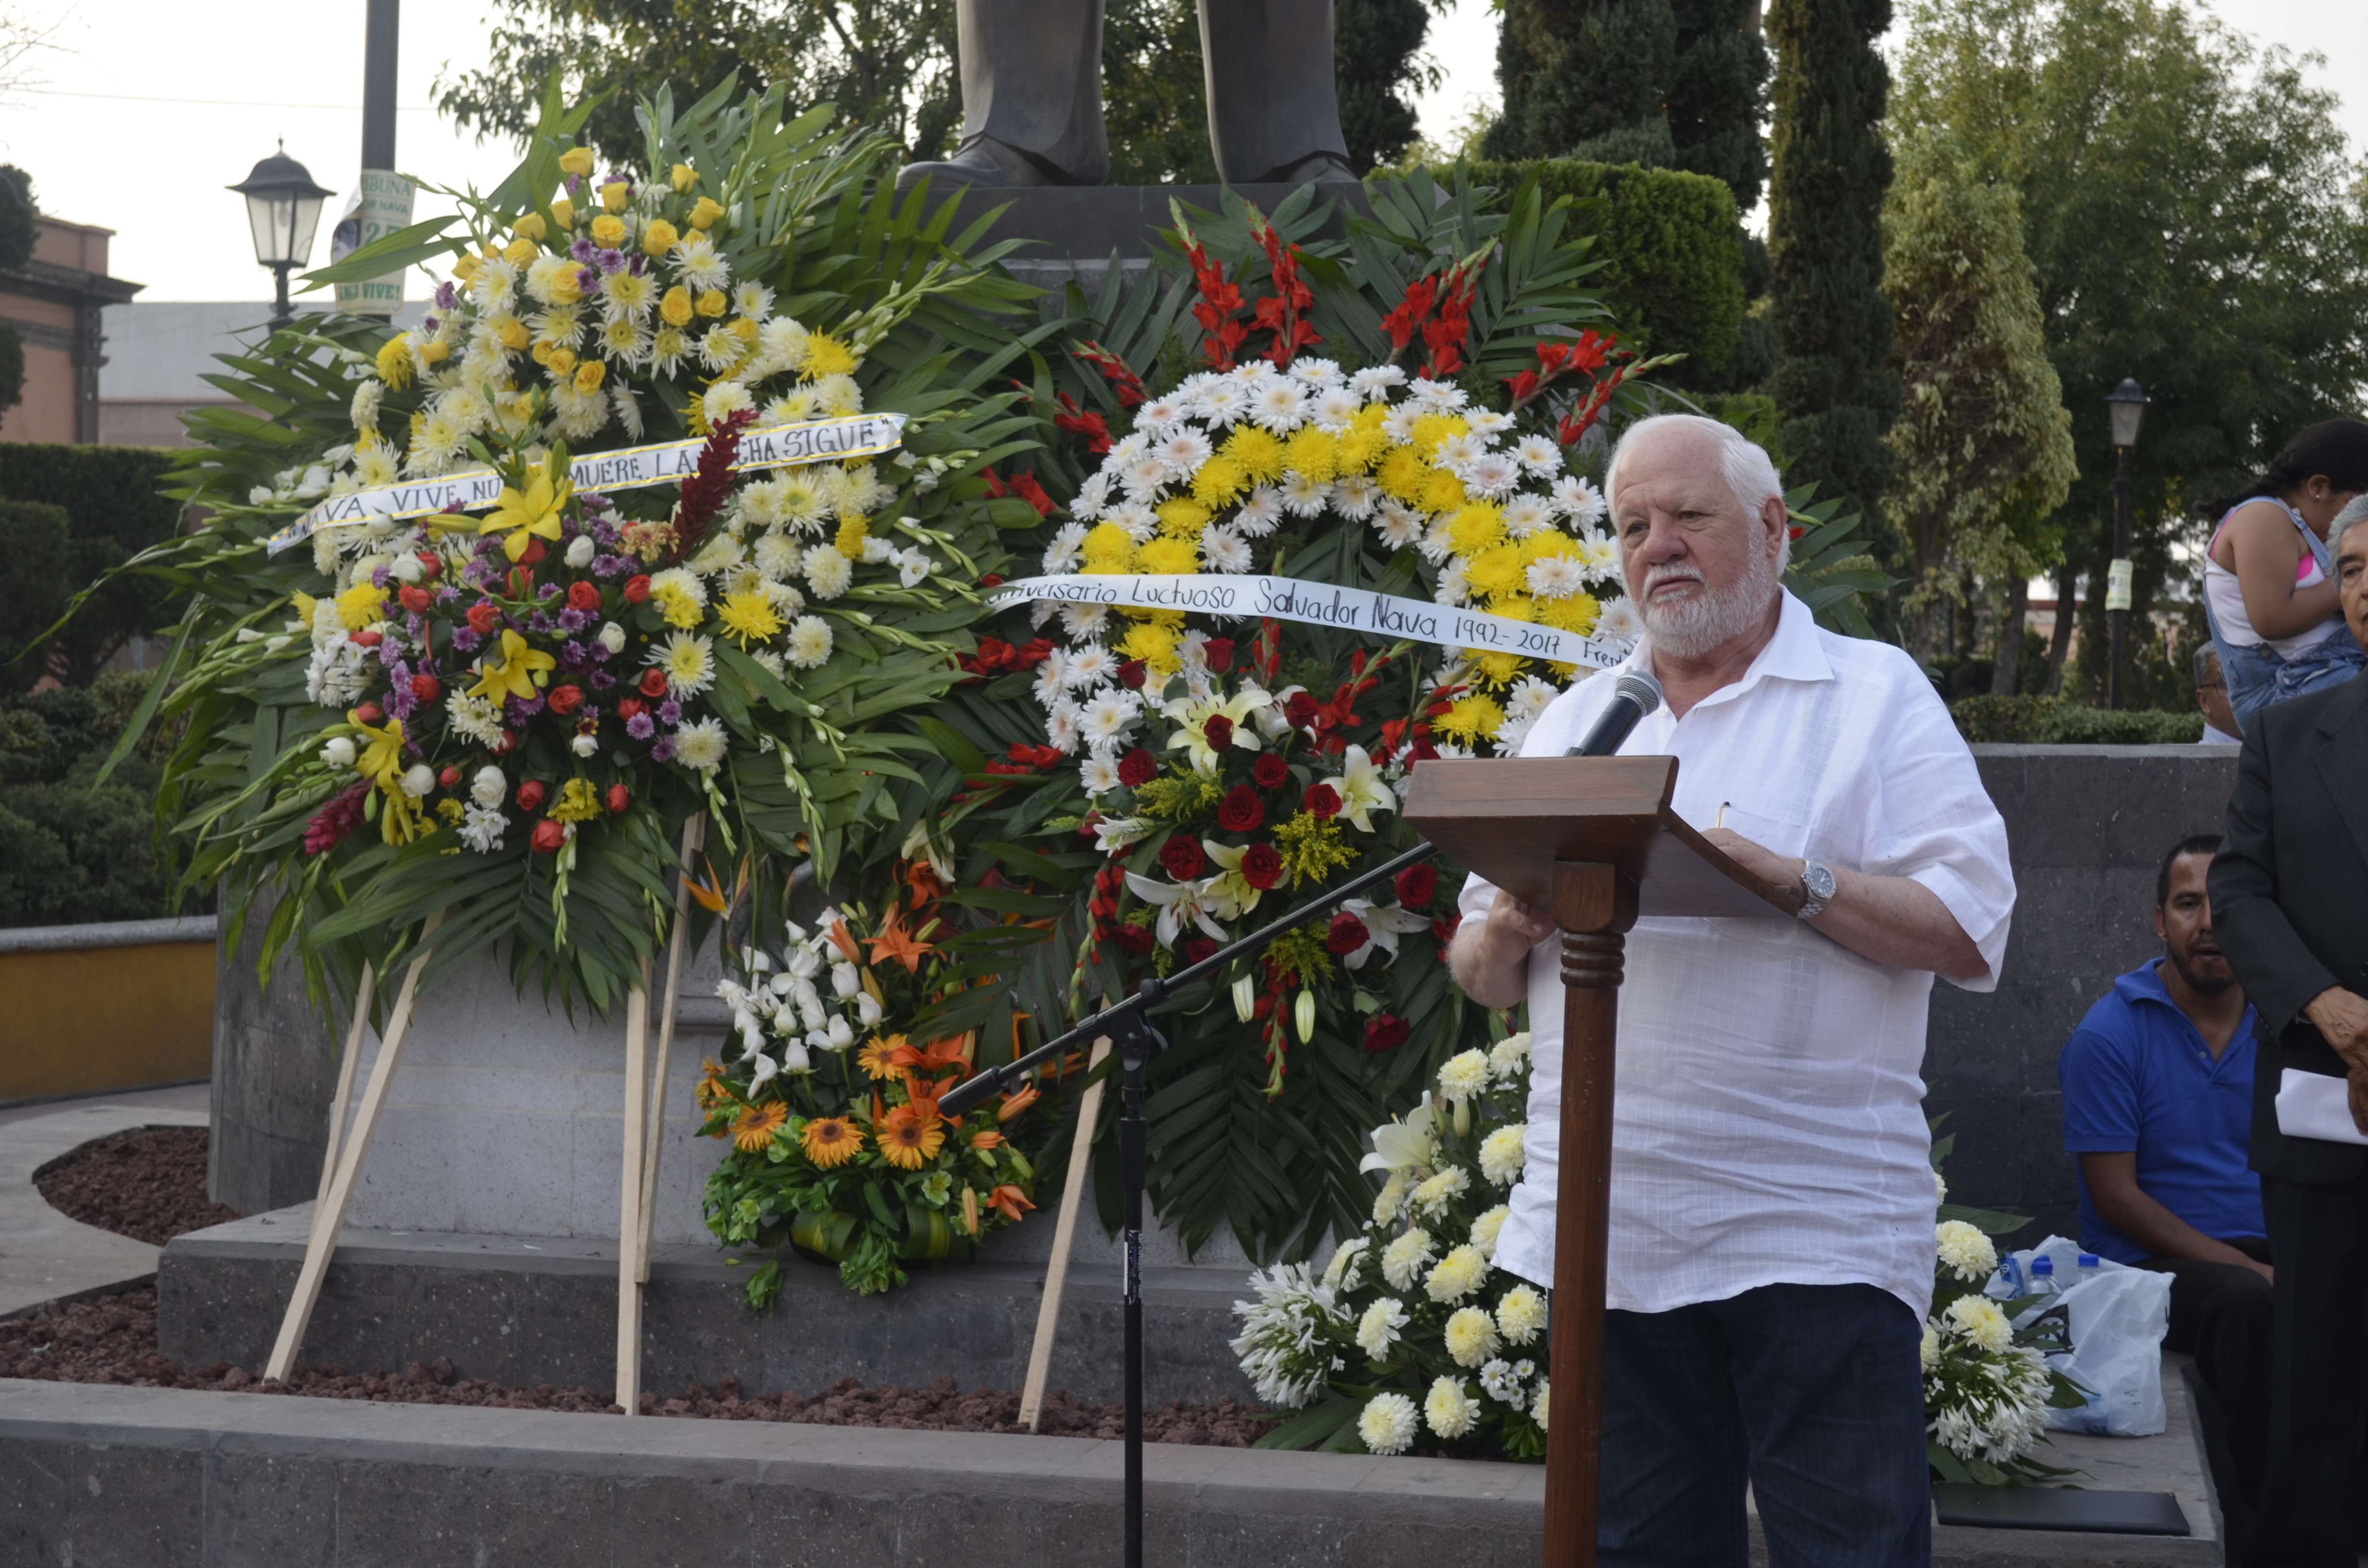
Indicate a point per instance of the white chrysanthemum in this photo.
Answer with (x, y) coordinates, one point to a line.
(689, 661)
(1964, 1251)
(1465, 1074)
(1493, 474)
(1088, 664)
(827, 572)
(626, 339)
(701, 746)
(1458, 453)
(628, 409)
(1404, 1260)
(777, 555)
(1084, 622)
(1347, 1270)
(1619, 622)
(1539, 454)
(752, 300)
(1183, 452)
(495, 284)
(1098, 773)
(1355, 496)
(1525, 515)
(720, 348)
(702, 269)
(1521, 1315)
(1379, 1327)
(1371, 383)
(1556, 577)
(1503, 1153)
(1222, 550)
(724, 400)
(1390, 1200)
(474, 717)
(1142, 476)
(1929, 1351)
(1061, 555)
(1388, 1424)
(1939, 1188)
(1336, 409)
(810, 642)
(1092, 497)
(1279, 405)
(365, 406)
(1107, 717)
(792, 407)
(1456, 1275)
(1049, 671)
(1433, 1194)
(1977, 1320)
(1314, 372)
(481, 828)
(1451, 1411)
(1061, 730)
(1303, 497)
(837, 395)
(1528, 698)
(1222, 403)
(1578, 500)
(1399, 525)
(1139, 520)
(1436, 397)
(781, 344)
(1471, 1336)
(1487, 1228)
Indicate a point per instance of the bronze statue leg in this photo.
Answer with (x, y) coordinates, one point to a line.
(1031, 79)
(1274, 115)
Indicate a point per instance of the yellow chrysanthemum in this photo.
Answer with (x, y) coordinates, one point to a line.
(1577, 614)
(1259, 453)
(1152, 643)
(1475, 527)
(1313, 452)
(749, 617)
(394, 360)
(578, 801)
(1429, 429)
(1473, 717)
(1496, 570)
(1109, 549)
(680, 608)
(1497, 669)
(1219, 481)
(851, 529)
(1441, 491)
(1180, 517)
(826, 356)
(1402, 473)
(359, 605)
(1358, 450)
(1165, 554)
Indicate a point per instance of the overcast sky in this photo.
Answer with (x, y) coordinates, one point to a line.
(157, 107)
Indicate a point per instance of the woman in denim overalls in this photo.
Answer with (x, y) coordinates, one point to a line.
(2268, 580)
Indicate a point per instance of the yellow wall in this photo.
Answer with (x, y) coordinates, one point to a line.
(87, 1019)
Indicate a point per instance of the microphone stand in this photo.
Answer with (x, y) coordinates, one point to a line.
(1128, 1023)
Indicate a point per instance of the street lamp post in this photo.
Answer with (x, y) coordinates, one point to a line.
(283, 207)
(2127, 405)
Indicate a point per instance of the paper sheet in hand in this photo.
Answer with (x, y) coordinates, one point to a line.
(2312, 1104)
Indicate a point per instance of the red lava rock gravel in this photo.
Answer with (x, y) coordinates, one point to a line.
(150, 1185)
(112, 1339)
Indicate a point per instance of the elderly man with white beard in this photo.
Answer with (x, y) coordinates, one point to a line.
(1772, 1247)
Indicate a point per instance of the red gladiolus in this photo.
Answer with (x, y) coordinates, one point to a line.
(1347, 934)
(1217, 653)
(1322, 800)
(416, 600)
(1137, 769)
(618, 799)
(637, 588)
(583, 596)
(565, 699)
(368, 713)
(1083, 422)
(1241, 810)
(654, 684)
(1182, 858)
(1386, 1032)
(1269, 772)
(449, 776)
(1132, 675)
(1300, 708)
(1416, 885)
(426, 687)
(1261, 866)
(530, 794)
(1135, 940)
(548, 836)
(484, 616)
(1219, 731)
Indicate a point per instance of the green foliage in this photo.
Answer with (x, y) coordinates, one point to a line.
(1830, 570)
(1718, 91)
(114, 510)
(1670, 246)
(1586, 79)
(1377, 56)
(73, 850)
(19, 228)
(1825, 242)
(2050, 721)
(36, 539)
(12, 366)
(1154, 93)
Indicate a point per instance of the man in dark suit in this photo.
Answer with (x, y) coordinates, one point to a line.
(2290, 899)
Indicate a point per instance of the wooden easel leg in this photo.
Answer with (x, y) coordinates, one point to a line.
(629, 1218)
(344, 1098)
(694, 834)
(329, 1215)
(1065, 1231)
(1595, 905)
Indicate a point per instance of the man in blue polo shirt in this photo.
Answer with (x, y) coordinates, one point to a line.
(2157, 1108)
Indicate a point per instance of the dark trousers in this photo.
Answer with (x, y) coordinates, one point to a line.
(1811, 1394)
(2310, 1498)
(2222, 1314)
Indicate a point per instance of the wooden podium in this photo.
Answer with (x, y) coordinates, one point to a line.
(1593, 842)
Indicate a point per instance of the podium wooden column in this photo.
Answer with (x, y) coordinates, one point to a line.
(1593, 842)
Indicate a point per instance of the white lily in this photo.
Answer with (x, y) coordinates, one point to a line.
(1180, 904)
(1194, 714)
(1402, 1146)
(1113, 834)
(1384, 925)
(1361, 790)
(1230, 894)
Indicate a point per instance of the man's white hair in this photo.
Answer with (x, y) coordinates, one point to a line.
(1751, 472)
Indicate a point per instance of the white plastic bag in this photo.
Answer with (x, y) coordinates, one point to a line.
(2115, 1321)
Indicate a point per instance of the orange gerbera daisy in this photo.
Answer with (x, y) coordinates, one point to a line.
(876, 1057)
(757, 1126)
(831, 1140)
(910, 1137)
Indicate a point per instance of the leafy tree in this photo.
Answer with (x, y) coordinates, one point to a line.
(1377, 54)
(1155, 96)
(2193, 219)
(18, 215)
(1718, 88)
(1586, 79)
(1834, 383)
(1984, 442)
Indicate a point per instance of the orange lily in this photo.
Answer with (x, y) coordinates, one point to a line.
(1008, 1200)
(937, 1056)
(1013, 1104)
(711, 1092)
(987, 1140)
(896, 942)
(836, 930)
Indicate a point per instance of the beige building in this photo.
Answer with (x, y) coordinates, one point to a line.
(55, 302)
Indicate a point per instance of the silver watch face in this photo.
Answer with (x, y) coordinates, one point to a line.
(1819, 880)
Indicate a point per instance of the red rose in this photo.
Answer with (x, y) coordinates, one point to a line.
(992, 580)
(431, 565)
(1444, 927)
(532, 556)
(631, 708)
(368, 713)
(1135, 940)
(450, 777)
(1346, 934)
(619, 798)
(426, 687)
(1300, 708)
(654, 683)
(1182, 858)
(1195, 948)
(1132, 674)
(1261, 866)
(1383, 1032)
(637, 588)
(529, 795)
(368, 638)
(565, 699)
(1137, 769)
(484, 616)
(583, 596)
(1217, 653)
(1421, 751)
(1241, 810)
(1416, 885)
(416, 600)
(1323, 800)
(1269, 772)
(1219, 732)
(548, 836)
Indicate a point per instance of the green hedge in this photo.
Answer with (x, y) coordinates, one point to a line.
(37, 543)
(113, 512)
(73, 851)
(1673, 247)
(2050, 721)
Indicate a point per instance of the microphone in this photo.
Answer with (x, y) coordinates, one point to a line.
(1634, 694)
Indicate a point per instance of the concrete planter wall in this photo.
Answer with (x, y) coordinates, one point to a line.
(120, 1005)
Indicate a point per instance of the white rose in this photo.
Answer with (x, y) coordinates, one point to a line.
(612, 637)
(404, 569)
(585, 745)
(419, 779)
(844, 980)
(488, 788)
(339, 752)
(580, 550)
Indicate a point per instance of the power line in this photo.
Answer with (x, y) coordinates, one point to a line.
(216, 103)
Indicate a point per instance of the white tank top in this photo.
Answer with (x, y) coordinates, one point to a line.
(2227, 599)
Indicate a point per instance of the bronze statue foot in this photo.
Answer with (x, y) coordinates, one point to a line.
(983, 160)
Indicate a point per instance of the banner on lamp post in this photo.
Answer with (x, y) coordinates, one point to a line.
(2117, 585)
(379, 207)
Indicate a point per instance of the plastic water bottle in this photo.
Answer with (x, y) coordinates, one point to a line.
(2089, 1269)
(2042, 1275)
(2009, 1278)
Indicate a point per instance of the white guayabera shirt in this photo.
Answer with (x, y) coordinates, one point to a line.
(1768, 1125)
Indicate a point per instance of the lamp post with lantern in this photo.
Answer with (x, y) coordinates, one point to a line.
(283, 209)
(2127, 405)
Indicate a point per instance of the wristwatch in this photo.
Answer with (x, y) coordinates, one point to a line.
(1816, 889)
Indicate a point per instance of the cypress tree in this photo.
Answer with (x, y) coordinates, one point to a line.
(1824, 239)
(1586, 79)
(1374, 48)
(1718, 86)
